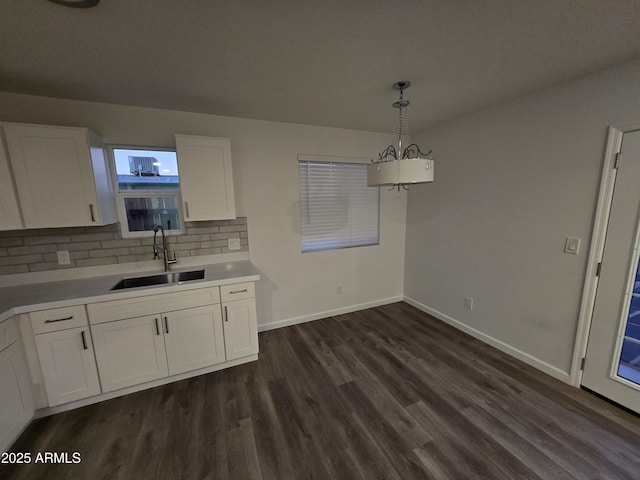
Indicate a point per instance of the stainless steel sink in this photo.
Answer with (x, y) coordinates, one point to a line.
(159, 279)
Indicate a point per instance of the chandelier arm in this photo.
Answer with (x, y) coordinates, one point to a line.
(390, 151)
(414, 148)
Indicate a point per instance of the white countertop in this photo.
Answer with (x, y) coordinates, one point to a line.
(39, 296)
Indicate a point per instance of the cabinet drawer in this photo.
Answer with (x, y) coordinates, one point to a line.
(58, 319)
(237, 291)
(151, 304)
(8, 332)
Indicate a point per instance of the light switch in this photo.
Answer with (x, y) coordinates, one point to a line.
(572, 245)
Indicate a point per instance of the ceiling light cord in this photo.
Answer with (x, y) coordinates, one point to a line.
(400, 106)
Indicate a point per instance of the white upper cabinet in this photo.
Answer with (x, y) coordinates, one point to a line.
(61, 176)
(10, 218)
(206, 177)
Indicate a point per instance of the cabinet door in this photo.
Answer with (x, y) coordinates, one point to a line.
(193, 338)
(129, 352)
(10, 218)
(68, 365)
(54, 175)
(206, 177)
(16, 404)
(240, 328)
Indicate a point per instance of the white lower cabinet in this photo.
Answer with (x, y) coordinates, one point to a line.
(240, 328)
(85, 351)
(16, 402)
(132, 351)
(68, 365)
(142, 349)
(194, 338)
(65, 350)
(129, 352)
(240, 321)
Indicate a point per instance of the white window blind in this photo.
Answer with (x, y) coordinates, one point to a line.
(337, 209)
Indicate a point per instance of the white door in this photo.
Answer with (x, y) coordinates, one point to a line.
(129, 352)
(68, 365)
(193, 338)
(612, 366)
(240, 328)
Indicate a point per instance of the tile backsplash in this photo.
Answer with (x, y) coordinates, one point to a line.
(35, 250)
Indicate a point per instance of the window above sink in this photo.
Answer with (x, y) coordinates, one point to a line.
(148, 189)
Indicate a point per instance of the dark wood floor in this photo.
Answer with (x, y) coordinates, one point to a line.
(385, 393)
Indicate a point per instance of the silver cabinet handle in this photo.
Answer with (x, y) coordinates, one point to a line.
(84, 341)
(226, 314)
(157, 328)
(166, 324)
(238, 291)
(93, 217)
(186, 209)
(59, 319)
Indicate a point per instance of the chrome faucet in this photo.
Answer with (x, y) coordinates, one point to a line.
(165, 249)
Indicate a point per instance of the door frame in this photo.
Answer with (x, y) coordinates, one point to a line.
(596, 249)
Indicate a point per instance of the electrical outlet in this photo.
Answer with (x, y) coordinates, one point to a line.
(63, 257)
(339, 290)
(234, 244)
(468, 303)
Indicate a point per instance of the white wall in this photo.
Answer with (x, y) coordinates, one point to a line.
(294, 286)
(511, 183)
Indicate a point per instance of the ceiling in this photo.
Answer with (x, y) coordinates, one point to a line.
(317, 62)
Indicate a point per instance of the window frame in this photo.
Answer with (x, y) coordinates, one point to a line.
(335, 160)
(120, 196)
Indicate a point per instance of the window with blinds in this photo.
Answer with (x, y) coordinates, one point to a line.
(337, 209)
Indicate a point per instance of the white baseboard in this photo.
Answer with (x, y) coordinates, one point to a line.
(494, 342)
(328, 313)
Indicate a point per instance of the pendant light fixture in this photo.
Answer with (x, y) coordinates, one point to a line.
(400, 168)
